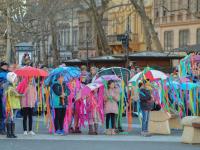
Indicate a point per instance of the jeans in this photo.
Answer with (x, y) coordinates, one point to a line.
(59, 118)
(27, 113)
(145, 120)
(111, 117)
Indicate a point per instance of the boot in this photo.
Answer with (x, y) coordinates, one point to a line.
(96, 128)
(13, 130)
(71, 130)
(120, 129)
(77, 130)
(8, 128)
(91, 131)
(2, 127)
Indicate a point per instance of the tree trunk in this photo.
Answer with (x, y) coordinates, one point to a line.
(147, 37)
(140, 9)
(100, 31)
(8, 46)
(55, 50)
(44, 53)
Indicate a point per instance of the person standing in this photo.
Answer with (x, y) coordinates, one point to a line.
(84, 78)
(12, 104)
(146, 104)
(111, 107)
(28, 103)
(3, 75)
(93, 72)
(93, 114)
(60, 93)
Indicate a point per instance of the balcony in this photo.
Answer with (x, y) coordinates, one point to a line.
(113, 40)
(65, 48)
(83, 44)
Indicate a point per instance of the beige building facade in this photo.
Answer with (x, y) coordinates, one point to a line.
(176, 22)
(124, 19)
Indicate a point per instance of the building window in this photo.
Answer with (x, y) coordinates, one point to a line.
(64, 38)
(81, 35)
(68, 36)
(198, 36)
(183, 38)
(75, 38)
(168, 40)
(129, 23)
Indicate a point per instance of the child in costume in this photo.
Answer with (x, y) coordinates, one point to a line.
(12, 104)
(28, 103)
(93, 115)
(111, 107)
(74, 87)
(85, 76)
(60, 93)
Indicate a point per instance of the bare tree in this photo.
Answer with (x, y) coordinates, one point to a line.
(95, 13)
(151, 36)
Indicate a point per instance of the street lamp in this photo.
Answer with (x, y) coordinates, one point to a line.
(87, 42)
(125, 43)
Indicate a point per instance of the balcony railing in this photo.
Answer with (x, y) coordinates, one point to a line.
(113, 40)
(66, 48)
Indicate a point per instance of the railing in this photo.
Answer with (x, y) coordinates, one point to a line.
(113, 39)
(66, 48)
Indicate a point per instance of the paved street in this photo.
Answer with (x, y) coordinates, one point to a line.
(127, 141)
(93, 145)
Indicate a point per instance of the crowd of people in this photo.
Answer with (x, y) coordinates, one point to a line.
(23, 96)
(64, 112)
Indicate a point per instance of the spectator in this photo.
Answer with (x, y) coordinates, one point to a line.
(27, 104)
(60, 101)
(146, 105)
(111, 107)
(3, 71)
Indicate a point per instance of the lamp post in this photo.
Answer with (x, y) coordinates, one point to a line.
(87, 42)
(125, 43)
(127, 50)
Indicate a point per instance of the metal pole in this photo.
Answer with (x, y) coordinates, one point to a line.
(72, 49)
(127, 41)
(87, 51)
(127, 51)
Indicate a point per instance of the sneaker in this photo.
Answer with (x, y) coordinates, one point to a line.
(62, 132)
(58, 132)
(25, 133)
(145, 134)
(108, 132)
(31, 133)
(113, 132)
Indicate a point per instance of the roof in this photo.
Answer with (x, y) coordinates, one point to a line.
(104, 58)
(24, 44)
(154, 54)
(189, 48)
(74, 60)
